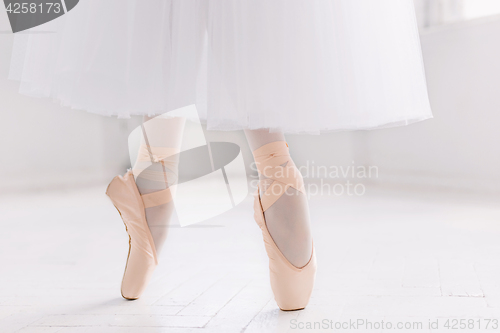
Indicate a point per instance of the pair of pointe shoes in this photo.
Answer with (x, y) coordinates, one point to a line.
(292, 286)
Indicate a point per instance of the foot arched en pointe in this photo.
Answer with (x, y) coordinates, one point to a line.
(292, 284)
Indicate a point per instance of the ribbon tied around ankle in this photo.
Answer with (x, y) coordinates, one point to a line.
(167, 156)
(274, 162)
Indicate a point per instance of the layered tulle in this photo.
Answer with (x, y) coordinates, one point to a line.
(291, 65)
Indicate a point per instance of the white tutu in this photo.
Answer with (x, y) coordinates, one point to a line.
(290, 65)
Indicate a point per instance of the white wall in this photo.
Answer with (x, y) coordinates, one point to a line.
(460, 146)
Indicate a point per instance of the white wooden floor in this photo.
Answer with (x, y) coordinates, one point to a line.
(390, 255)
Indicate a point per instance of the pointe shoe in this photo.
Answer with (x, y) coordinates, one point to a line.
(141, 259)
(292, 286)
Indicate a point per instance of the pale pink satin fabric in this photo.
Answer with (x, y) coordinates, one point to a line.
(292, 286)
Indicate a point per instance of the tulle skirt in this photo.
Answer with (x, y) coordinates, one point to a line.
(300, 66)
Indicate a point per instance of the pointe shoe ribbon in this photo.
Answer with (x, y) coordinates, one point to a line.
(269, 160)
(292, 286)
(167, 156)
(157, 153)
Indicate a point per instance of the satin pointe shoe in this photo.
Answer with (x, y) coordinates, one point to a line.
(141, 259)
(292, 286)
